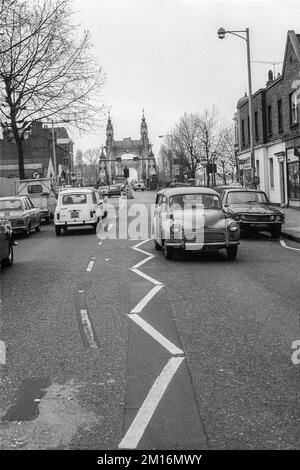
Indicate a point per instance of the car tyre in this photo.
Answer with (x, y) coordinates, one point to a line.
(232, 251)
(276, 232)
(104, 215)
(58, 231)
(38, 227)
(28, 230)
(10, 259)
(47, 220)
(95, 228)
(168, 251)
(157, 246)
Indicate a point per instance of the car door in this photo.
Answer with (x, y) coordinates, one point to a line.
(99, 203)
(32, 211)
(158, 217)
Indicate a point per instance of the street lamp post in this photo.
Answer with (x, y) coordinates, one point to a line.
(171, 161)
(221, 34)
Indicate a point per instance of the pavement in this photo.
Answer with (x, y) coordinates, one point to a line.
(291, 228)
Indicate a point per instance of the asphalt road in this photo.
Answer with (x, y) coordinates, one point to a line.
(191, 353)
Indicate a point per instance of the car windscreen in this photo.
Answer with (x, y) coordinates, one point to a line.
(244, 197)
(208, 201)
(78, 198)
(11, 205)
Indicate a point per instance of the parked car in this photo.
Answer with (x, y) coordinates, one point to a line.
(252, 210)
(6, 243)
(192, 219)
(138, 186)
(42, 194)
(78, 207)
(104, 190)
(114, 190)
(21, 213)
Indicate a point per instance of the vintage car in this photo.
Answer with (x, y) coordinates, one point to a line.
(6, 243)
(114, 190)
(21, 213)
(42, 193)
(78, 207)
(138, 186)
(103, 190)
(252, 210)
(192, 219)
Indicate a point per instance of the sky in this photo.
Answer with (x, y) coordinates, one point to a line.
(164, 56)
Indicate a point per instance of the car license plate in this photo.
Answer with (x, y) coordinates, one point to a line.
(259, 225)
(74, 214)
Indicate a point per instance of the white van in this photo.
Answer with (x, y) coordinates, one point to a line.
(77, 207)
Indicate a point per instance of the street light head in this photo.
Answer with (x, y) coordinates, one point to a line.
(221, 33)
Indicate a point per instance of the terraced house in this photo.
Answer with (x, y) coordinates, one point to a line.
(276, 118)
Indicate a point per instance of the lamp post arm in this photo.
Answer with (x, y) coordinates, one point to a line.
(234, 33)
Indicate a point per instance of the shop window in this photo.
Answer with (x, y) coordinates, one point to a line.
(293, 180)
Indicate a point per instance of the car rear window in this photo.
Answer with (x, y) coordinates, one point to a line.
(209, 201)
(78, 198)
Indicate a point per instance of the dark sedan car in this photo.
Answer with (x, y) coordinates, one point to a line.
(114, 190)
(252, 210)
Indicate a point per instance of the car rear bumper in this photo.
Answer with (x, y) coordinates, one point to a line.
(76, 224)
(200, 246)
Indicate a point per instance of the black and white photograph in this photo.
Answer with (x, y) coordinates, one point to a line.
(149, 229)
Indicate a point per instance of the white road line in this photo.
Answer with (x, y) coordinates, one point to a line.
(145, 413)
(282, 243)
(145, 276)
(138, 265)
(162, 340)
(87, 328)
(90, 266)
(100, 243)
(142, 303)
(135, 247)
(109, 227)
(2, 353)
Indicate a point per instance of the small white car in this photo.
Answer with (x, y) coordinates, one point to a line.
(78, 207)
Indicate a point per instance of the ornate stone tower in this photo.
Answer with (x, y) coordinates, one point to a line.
(109, 148)
(145, 146)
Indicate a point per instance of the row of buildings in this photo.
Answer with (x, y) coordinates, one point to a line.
(276, 118)
(43, 147)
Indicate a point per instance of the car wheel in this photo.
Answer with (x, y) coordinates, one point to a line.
(168, 251)
(65, 229)
(27, 230)
(157, 246)
(276, 232)
(38, 227)
(47, 220)
(58, 231)
(232, 251)
(104, 215)
(10, 259)
(95, 228)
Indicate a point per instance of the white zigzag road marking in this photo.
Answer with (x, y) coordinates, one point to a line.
(145, 413)
(168, 345)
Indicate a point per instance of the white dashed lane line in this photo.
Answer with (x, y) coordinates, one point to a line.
(2, 353)
(87, 327)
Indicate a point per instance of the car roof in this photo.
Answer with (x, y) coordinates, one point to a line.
(77, 190)
(13, 197)
(246, 190)
(187, 190)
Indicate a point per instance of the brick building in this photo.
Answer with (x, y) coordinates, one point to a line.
(276, 119)
(38, 152)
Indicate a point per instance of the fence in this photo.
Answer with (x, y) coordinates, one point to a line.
(8, 186)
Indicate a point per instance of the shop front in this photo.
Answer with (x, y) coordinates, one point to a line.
(293, 178)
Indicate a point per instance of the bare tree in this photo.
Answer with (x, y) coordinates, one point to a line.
(227, 164)
(46, 70)
(91, 164)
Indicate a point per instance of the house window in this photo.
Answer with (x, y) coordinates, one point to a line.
(279, 113)
(270, 120)
(271, 167)
(256, 125)
(293, 108)
(257, 168)
(243, 132)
